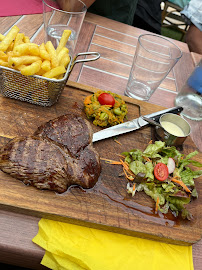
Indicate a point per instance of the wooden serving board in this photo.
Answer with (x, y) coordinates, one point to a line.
(107, 206)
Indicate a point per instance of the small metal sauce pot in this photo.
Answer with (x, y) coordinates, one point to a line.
(167, 137)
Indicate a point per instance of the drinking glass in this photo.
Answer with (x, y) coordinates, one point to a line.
(190, 96)
(56, 20)
(154, 58)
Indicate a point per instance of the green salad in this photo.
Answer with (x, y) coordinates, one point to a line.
(162, 173)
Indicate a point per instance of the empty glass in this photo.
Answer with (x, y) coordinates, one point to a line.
(154, 58)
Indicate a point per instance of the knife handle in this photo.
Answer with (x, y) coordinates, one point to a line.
(175, 110)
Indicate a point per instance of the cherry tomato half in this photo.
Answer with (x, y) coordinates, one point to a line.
(161, 171)
(106, 99)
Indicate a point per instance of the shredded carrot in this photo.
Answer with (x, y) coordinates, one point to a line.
(129, 177)
(117, 103)
(157, 205)
(114, 162)
(88, 100)
(134, 187)
(150, 142)
(117, 142)
(128, 173)
(108, 105)
(181, 183)
(147, 159)
(121, 156)
(125, 165)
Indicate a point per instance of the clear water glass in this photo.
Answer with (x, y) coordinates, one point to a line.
(63, 15)
(155, 56)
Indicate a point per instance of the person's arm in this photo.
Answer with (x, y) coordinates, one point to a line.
(192, 15)
(194, 39)
(88, 3)
(70, 5)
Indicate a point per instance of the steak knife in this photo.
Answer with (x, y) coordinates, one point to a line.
(132, 125)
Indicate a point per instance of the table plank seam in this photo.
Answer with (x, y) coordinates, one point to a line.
(93, 43)
(20, 19)
(115, 31)
(82, 66)
(106, 72)
(36, 33)
(125, 43)
(123, 77)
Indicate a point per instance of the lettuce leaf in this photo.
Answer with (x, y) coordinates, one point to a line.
(188, 175)
(154, 193)
(171, 195)
(152, 150)
(137, 167)
(187, 160)
(149, 171)
(178, 202)
(172, 152)
(137, 155)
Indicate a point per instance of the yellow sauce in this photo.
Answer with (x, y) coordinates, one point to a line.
(172, 128)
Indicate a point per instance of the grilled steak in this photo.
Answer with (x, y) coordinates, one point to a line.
(74, 134)
(37, 162)
(58, 155)
(72, 131)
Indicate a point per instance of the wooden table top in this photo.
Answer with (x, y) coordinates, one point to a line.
(196, 57)
(116, 42)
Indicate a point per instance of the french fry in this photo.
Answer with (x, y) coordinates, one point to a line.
(22, 60)
(17, 52)
(64, 51)
(54, 72)
(26, 49)
(3, 63)
(5, 43)
(43, 52)
(26, 39)
(1, 37)
(40, 72)
(65, 36)
(33, 49)
(31, 69)
(53, 56)
(20, 67)
(18, 40)
(65, 60)
(3, 56)
(9, 54)
(10, 48)
(46, 66)
(59, 77)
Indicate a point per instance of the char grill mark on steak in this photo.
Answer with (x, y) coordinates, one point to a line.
(71, 131)
(74, 134)
(48, 160)
(48, 170)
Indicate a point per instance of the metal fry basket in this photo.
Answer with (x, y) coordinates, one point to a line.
(37, 89)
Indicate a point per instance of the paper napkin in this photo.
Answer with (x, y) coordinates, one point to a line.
(72, 247)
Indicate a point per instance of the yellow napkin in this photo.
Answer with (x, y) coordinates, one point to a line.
(72, 247)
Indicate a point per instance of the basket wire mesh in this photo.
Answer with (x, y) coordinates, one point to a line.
(33, 89)
(37, 89)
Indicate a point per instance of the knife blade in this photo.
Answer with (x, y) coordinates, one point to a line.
(132, 125)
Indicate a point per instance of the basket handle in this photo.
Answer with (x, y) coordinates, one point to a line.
(75, 61)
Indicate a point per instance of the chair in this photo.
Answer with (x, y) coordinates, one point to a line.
(172, 18)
